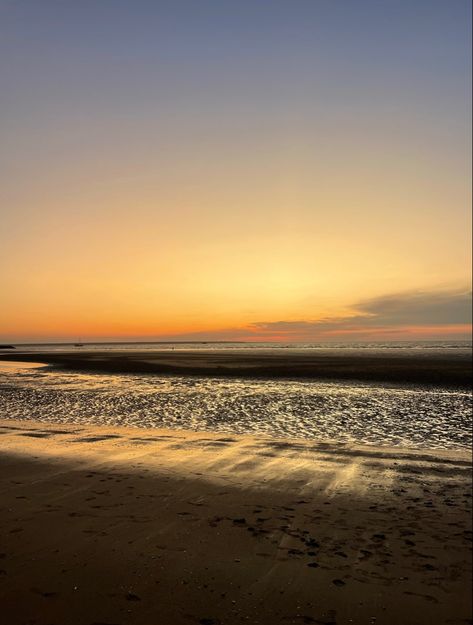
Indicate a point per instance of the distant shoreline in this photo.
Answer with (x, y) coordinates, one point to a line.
(453, 370)
(461, 343)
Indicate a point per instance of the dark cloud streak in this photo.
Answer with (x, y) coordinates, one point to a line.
(392, 315)
(403, 309)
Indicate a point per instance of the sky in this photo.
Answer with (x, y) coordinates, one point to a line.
(276, 170)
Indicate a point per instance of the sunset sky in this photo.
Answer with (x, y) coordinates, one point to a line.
(276, 170)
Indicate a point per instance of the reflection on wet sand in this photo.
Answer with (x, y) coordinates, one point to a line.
(355, 412)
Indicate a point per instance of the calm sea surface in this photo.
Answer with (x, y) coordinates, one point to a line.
(458, 346)
(355, 412)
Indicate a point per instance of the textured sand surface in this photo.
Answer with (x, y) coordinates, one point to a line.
(118, 526)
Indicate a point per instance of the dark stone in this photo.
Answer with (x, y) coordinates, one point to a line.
(132, 597)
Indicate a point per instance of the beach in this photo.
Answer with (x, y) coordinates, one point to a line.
(236, 316)
(117, 526)
(429, 367)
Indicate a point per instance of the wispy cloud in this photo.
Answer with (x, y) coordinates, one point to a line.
(406, 314)
(437, 308)
(402, 309)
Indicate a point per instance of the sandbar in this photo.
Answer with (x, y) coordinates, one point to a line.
(420, 367)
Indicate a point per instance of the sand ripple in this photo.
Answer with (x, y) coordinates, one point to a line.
(363, 413)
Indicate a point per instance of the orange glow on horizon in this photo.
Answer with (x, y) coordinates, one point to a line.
(249, 334)
(227, 179)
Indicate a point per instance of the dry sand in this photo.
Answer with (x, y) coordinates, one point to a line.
(115, 526)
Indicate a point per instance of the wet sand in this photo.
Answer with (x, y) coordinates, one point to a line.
(119, 526)
(422, 367)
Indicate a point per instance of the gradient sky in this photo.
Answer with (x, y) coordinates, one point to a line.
(218, 169)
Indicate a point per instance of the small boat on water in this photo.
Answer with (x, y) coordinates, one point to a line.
(79, 343)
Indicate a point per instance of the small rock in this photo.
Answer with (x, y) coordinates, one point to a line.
(132, 597)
